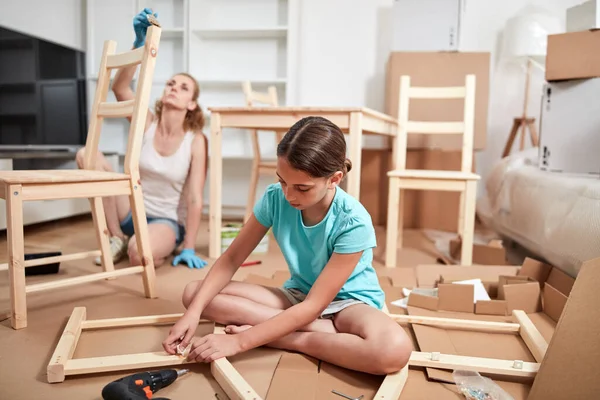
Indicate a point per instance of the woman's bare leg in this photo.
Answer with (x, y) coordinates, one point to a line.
(369, 341)
(115, 207)
(241, 303)
(162, 242)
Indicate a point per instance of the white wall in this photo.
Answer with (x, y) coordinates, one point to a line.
(345, 45)
(59, 21)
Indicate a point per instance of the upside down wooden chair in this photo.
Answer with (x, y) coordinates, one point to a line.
(463, 181)
(259, 166)
(17, 187)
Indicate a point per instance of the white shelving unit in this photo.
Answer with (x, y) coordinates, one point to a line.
(221, 43)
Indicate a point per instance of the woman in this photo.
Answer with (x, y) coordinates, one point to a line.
(172, 169)
(331, 307)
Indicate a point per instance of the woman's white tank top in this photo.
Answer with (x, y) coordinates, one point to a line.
(163, 178)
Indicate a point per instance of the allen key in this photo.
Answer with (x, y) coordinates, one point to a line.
(346, 396)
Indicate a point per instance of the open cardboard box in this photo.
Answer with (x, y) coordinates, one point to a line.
(490, 253)
(533, 287)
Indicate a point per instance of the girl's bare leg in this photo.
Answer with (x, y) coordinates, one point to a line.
(241, 303)
(369, 341)
(115, 207)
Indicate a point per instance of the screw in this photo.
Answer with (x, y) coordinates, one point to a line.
(16, 193)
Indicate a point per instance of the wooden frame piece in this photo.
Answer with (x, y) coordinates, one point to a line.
(31, 185)
(463, 181)
(235, 386)
(62, 363)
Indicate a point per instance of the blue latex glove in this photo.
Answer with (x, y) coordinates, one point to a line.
(140, 25)
(189, 257)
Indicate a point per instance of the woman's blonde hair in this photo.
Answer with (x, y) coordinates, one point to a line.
(194, 119)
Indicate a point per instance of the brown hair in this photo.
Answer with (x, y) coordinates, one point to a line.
(194, 119)
(316, 146)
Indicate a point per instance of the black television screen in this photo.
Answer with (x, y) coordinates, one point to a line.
(42, 92)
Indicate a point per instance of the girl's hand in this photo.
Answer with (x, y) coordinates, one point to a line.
(140, 25)
(181, 333)
(214, 346)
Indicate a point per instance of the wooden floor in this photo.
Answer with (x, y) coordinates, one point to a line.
(24, 354)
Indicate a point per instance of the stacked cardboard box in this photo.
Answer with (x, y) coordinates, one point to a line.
(570, 111)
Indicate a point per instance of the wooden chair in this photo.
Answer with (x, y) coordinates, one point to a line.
(463, 181)
(17, 187)
(259, 166)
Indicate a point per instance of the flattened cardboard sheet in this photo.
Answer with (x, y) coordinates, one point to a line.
(553, 302)
(454, 297)
(536, 270)
(491, 307)
(296, 374)
(429, 275)
(570, 368)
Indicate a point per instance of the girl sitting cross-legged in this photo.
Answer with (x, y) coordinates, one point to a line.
(331, 307)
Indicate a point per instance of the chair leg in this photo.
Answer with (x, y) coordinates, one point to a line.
(468, 223)
(102, 234)
(252, 189)
(16, 257)
(393, 223)
(140, 225)
(461, 213)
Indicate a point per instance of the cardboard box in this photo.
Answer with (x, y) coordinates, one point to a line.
(533, 287)
(583, 16)
(570, 127)
(491, 253)
(440, 69)
(426, 25)
(573, 55)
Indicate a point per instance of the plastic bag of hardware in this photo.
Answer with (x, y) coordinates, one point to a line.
(476, 387)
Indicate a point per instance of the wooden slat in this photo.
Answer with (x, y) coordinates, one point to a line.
(456, 92)
(90, 365)
(476, 364)
(274, 120)
(454, 323)
(49, 260)
(125, 59)
(433, 174)
(66, 346)
(38, 287)
(75, 190)
(435, 128)
(531, 335)
(428, 184)
(132, 321)
(118, 109)
(392, 385)
(59, 176)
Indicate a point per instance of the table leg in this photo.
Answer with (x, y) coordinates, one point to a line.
(355, 154)
(216, 180)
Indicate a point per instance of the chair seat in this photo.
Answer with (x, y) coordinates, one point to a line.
(59, 176)
(433, 174)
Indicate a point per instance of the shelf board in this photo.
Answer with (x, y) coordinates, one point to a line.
(243, 33)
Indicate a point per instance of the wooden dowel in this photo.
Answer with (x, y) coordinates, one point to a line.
(82, 279)
(452, 323)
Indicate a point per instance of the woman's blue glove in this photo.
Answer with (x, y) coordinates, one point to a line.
(189, 257)
(140, 24)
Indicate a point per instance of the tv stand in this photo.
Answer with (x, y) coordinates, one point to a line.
(35, 212)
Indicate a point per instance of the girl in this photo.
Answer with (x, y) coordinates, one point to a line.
(330, 308)
(172, 169)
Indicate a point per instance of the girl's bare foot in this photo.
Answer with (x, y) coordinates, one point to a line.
(236, 328)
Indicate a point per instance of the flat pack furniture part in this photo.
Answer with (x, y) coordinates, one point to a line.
(354, 121)
(401, 179)
(17, 187)
(259, 166)
(235, 386)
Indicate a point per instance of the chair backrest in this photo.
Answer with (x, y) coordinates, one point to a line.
(269, 98)
(464, 127)
(137, 108)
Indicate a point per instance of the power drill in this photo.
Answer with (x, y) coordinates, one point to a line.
(141, 386)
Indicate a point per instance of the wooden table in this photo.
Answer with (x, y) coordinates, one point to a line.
(353, 121)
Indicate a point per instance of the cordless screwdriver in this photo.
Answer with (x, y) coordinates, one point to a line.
(141, 386)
